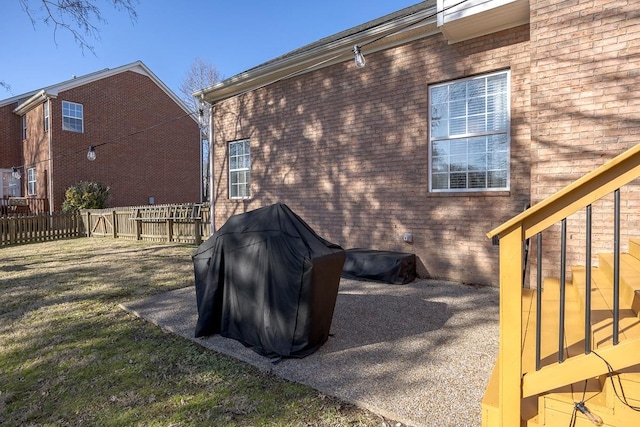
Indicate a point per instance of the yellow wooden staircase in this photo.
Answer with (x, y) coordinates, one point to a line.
(569, 355)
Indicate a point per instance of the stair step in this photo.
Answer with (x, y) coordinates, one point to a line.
(556, 408)
(634, 246)
(629, 278)
(602, 307)
(549, 341)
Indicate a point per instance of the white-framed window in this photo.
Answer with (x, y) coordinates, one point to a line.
(72, 117)
(469, 135)
(10, 185)
(239, 169)
(24, 126)
(31, 181)
(46, 115)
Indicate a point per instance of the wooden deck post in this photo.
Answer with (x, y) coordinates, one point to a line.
(510, 347)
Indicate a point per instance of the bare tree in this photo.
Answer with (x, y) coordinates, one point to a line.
(202, 74)
(79, 17)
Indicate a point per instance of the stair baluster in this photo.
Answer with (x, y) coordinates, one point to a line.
(538, 300)
(616, 265)
(587, 300)
(563, 289)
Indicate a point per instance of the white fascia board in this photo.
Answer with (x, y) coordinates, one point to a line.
(31, 102)
(324, 55)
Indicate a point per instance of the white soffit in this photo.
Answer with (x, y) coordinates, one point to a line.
(474, 18)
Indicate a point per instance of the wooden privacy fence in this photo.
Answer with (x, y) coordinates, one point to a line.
(187, 223)
(38, 228)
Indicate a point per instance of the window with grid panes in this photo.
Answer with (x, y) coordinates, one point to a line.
(31, 181)
(239, 169)
(72, 117)
(469, 134)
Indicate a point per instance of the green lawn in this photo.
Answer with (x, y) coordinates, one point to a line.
(70, 356)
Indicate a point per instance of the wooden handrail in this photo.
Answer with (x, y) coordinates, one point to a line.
(591, 187)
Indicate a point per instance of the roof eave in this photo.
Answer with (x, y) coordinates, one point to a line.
(404, 30)
(33, 101)
(52, 91)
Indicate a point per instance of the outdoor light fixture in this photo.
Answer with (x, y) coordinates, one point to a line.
(359, 57)
(16, 173)
(91, 154)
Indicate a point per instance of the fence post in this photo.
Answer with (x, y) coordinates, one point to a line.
(196, 231)
(88, 231)
(138, 224)
(114, 221)
(169, 229)
(12, 229)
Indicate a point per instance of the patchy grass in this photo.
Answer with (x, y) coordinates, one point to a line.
(70, 356)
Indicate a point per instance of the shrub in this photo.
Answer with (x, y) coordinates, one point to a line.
(85, 195)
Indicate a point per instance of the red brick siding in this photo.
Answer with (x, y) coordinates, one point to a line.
(10, 137)
(585, 65)
(146, 152)
(347, 149)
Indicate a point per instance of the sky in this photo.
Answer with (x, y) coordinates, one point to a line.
(169, 35)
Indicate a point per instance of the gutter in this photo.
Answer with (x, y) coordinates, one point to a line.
(321, 54)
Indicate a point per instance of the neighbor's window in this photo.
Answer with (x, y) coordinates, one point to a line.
(469, 138)
(31, 181)
(46, 116)
(239, 169)
(24, 126)
(10, 186)
(72, 117)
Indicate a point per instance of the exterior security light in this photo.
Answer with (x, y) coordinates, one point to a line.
(16, 173)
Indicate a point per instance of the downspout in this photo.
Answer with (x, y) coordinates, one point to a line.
(212, 194)
(49, 131)
(202, 197)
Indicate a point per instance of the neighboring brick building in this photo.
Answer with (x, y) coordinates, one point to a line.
(460, 118)
(146, 141)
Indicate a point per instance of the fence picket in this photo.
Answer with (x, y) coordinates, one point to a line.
(18, 229)
(173, 223)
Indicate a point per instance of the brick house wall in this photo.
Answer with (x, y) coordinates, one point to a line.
(347, 149)
(585, 66)
(146, 144)
(10, 132)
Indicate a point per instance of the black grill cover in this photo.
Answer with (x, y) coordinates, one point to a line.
(266, 279)
(380, 266)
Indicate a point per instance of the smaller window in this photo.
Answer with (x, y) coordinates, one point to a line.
(24, 127)
(31, 181)
(239, 169)
(46, 116)
(72, 117)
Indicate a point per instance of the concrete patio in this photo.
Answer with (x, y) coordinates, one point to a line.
(420, 354)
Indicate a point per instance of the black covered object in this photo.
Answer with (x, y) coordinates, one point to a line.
(266, 279)
(381, 266)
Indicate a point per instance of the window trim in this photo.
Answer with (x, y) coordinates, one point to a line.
(32, 181)
(247, 169)
(66, 116)
(506, 132)
(46, 115)
(24, 126)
